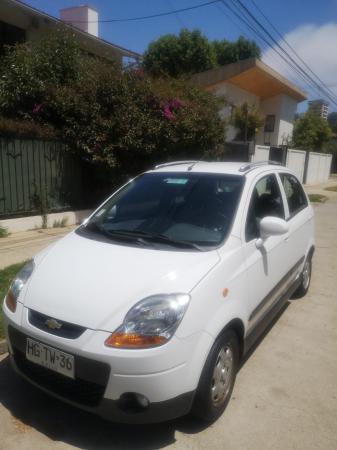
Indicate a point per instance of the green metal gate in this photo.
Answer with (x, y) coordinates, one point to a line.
(36, 175)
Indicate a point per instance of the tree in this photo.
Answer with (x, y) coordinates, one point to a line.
(228, 52)
(332, 121)
(191, 52)
(248, 120)
(172, 55)
(311, 132)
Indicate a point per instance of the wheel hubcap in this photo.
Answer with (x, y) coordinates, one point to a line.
(222, 376)
(306, 275)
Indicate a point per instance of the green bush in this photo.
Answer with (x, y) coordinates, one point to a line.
(3, 232)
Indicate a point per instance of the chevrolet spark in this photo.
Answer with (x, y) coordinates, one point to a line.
(143, 313)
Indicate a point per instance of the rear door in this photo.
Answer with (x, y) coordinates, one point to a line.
(299, 216)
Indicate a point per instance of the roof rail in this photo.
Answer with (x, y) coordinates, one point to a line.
(174, 163)
(252, 165)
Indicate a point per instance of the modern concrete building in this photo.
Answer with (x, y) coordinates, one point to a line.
(254, 82)
(319, 108)
(20, 22)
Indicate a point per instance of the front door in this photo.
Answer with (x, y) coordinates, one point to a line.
(266, 267)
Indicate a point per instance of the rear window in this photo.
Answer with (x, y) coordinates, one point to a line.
(296, 197)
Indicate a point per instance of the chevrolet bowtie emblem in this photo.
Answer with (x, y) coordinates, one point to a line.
(53, 324)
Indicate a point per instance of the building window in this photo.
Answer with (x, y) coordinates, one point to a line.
(269, 124)
(10, 35)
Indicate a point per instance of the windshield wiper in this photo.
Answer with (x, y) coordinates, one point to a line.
(113, 235)
(158, 238)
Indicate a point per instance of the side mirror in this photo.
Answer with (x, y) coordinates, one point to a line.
(271, 226)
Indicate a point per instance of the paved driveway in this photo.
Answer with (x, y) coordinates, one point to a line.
(285, 396)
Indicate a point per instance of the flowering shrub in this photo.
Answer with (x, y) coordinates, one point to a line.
(123, 118)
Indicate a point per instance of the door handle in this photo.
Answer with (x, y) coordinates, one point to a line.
(286, 238)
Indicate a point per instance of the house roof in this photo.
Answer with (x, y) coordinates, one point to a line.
(88, 41)
(253, 76)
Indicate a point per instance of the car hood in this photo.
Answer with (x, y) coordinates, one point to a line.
(93, 283)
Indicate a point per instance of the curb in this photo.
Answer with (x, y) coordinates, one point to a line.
(3, 347)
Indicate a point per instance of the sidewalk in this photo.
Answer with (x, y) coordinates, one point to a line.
(21, 246)
(320, 188)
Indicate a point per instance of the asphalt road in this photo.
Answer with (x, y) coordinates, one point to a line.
(285, 396)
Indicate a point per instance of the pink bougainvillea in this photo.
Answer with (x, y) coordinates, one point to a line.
(170, 107)
(38, 108)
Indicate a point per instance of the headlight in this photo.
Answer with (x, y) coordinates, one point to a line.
(17, 284)
(151, 322)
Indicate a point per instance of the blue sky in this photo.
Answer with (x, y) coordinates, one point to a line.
(310, 26)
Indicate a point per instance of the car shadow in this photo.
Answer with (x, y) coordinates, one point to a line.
(62, 422)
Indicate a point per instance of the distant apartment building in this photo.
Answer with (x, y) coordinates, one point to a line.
(319, 108)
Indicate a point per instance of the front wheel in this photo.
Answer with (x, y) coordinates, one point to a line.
(217, 378)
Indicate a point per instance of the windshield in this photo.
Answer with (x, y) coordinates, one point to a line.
(193, 210)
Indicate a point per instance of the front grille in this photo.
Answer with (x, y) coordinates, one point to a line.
(67, 330)
(87, 388)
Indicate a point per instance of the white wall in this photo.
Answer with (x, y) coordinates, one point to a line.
(287, 117)
(34, 222)
(235, 96)
(261, 153)
(319, 166)
(296, 162)
(283, 108)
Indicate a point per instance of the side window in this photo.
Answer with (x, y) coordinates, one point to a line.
(266, 200)
(294, 192)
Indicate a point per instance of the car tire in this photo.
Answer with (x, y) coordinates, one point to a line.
(217, 378)
(305, 279)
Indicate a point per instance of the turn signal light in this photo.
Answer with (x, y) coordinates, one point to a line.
(122, 340)
(11, 301)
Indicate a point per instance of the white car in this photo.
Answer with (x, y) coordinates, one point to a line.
(143, 313)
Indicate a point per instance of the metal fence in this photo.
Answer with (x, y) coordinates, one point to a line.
(36, 175)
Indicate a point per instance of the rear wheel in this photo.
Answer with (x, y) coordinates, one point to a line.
(305, 279)
(217, 378)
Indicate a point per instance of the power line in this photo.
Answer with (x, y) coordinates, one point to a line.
(178, 18)
(243, 9)
(292, 49)
(262, 38)
(151, 16)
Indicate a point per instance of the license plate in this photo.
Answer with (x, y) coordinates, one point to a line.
(50, 357)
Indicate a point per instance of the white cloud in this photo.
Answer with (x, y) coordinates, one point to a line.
(317, 46)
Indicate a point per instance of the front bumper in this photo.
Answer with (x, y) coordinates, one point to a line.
(107, 382)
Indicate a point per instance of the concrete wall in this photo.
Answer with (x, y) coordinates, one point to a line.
(287, 117)
(296, 162)
(33, 222)
(234, 96)
(319, 166)
(281, 106)
(317, 170)
(261, 153)
(284, 108)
